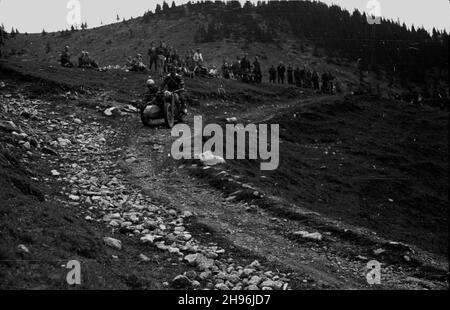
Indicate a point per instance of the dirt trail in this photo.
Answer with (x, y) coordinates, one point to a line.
(330, 263)
(256, 231)
(238, 226)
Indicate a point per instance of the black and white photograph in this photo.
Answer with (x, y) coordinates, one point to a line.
(271, 148)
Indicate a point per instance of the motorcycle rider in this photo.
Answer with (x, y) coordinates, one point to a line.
(152, 89)
(174, 82)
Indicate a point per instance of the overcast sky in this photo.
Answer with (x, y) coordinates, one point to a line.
(52, 15)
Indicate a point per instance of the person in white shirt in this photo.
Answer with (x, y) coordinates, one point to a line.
(198, 57)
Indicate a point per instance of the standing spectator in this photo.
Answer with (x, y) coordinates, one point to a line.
(303, 77)
(272, 74)
(160, 58)
(280, 72)
(257, 70)
(309, 78)
(198, 57)
(330, 87)
(153, 56)
(166, 53)
(297, 80)
(245, 68)
(189, 63)
(290, 75)
(315, 80)
(236, 67)
(225, 70)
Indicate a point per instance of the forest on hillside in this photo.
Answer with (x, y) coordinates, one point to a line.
(409, 54)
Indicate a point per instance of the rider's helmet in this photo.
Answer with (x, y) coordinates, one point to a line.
(168, 95)
(151, 86)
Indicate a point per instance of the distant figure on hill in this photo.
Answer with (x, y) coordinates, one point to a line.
(81, 59)
(272, 74)
(85, 61)
(225, 70)
(198, 57)
(297, 79)
(161, 59)
(308, 80)
(189, 64)
(315, 80)
(65, 58)
(92, 63)
(153, 56)
(236, 68)
(290, 74)
(257, 70)
(245, 69)
(136, 64)
(280, 72)
(303, 77)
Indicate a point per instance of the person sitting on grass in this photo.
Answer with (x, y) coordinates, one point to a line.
(65, 58)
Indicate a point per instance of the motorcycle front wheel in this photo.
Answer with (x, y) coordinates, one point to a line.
(169, 113)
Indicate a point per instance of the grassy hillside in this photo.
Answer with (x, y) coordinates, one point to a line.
(112, 44)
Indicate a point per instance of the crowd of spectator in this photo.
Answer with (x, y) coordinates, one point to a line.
(302, 77)
(243, 69)
(162, 57)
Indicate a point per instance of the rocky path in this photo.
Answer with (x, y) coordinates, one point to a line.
(118, 174)
(89, 164)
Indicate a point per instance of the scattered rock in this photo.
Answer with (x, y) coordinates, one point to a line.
(181, 282)
(191, 274)
(50, 151)
(255, 264)
(109, 111)
(22, 248)
(8, 126)
(150, 238)
(209, 159)
(114, 243)
(306, 235)
(186, 214)
(255, 280)
(272, 284)
(221, 287)
(379, 251)
(191, 259)
(74, 197)
(144, 258)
